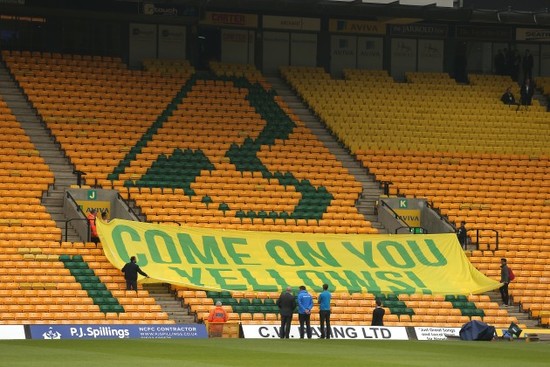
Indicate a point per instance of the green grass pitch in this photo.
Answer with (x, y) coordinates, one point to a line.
(266, 353)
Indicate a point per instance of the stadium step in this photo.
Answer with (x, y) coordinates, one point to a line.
(48, 150)
(514, 310)
(169, 304)
(371, 189)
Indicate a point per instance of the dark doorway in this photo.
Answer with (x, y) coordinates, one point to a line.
(209, 46)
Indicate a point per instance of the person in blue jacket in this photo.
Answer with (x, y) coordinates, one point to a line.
(324, 312)
(305, 304)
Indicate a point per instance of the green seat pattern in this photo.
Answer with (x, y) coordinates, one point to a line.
(91, 283)
(466, 307)
(182, 167)
(151, 131)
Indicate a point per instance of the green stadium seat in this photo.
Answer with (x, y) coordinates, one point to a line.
(257, 302)
(212, 294)
(64, 258)
(240, 309)
(226, 294)
(77, 258)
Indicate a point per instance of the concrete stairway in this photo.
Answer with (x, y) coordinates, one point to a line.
(48, 149)
(371, 189)
(169, 303)
(514, 310)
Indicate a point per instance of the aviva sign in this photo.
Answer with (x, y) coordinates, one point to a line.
(269, 261)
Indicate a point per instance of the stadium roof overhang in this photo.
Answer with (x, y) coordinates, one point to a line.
(513, 12)
(510, 16)
(510, 12)
(390, 12)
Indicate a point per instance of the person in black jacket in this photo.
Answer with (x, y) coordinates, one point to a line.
(508, 97)
(131, 271)
(462, 235)
(527, 91)
(378, 314)
(505, 280)
(287, 305)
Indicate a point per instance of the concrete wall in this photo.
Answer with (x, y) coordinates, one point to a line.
(118, 208)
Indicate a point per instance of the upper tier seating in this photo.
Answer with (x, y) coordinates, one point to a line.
(375, 113)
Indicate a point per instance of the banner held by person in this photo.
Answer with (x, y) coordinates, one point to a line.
(213, 259)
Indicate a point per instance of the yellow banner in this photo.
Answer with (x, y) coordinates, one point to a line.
(269, 261)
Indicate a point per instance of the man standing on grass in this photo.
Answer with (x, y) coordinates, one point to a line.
(324, 312)
(286, 304)
(305, 304)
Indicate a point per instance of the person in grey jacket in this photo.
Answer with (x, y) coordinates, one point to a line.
(286, 304)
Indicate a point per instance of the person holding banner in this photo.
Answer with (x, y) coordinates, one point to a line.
(505, 280)
(286, 304)
(305, 304)
(93, 228)
(324, 312)
(105, 216)
(462, 235)
(131, 271)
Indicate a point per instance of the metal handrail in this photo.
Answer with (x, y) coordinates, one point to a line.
(487, 229)
(67, 227)
(171, 221)
(396, 216)
(383, 203)
(130, 210)
(386, 187)
(441, 216)
(79, 209)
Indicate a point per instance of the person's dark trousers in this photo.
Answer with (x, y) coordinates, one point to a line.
(324, 317)
(285, 326)
(304, 319)
(131, 284)
(504, 293)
